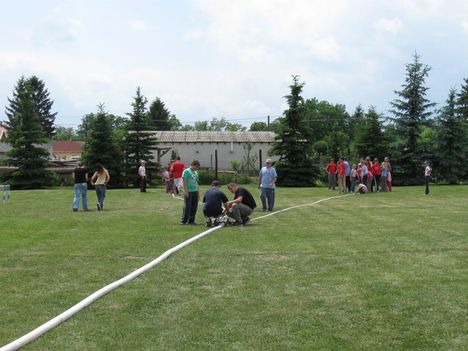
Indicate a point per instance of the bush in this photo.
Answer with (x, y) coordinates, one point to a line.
(206, 177)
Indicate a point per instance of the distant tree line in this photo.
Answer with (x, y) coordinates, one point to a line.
(308, 133)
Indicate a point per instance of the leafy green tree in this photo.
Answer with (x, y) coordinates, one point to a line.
(328, 122)
(101, 147)
(451, 150)
(160, 118)
(25, 135)
(411, 109)
(292, 145)
(218, 125)
(259, 127)
(140, 143)
(42, 103)
(64, 133)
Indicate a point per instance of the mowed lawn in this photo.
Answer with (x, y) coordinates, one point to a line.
(386, 271)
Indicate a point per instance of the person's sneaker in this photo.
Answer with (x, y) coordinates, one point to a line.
(264, 209)
(86, 209)
(270, 210)
(98, 207)
(246, 220)
(75, 209)
(182, 223)
(209, 223)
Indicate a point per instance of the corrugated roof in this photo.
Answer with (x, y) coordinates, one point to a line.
(214, 137)
(67, 146)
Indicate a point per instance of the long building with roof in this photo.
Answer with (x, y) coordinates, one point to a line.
(203, 146)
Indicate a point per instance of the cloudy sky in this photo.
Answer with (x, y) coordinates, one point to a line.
(224, 58)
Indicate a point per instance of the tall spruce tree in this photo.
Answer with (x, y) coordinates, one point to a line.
(101, 147)
(369, 137)
(160, 118)
(451, 142)
(462, 102)
(292, 145)
(42, 103)
(140, 143)
(25, 135)
(462, 114)
(43, 106)
(411, 109)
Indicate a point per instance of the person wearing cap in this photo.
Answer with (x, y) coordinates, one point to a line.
(213, 202)
(242, 206)
(266, 184)
(190, 179)
(142, 175)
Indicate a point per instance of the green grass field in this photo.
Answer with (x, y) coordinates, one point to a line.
(366, 272)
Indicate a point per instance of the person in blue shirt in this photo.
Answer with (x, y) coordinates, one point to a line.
(266, 183)
(213, 202)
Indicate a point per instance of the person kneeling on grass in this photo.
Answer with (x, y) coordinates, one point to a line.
(361, 188)
(213, 202)
(242, 206)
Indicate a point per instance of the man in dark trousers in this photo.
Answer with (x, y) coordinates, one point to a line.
(242, 206)
(213, 202)
(142, 176)
(80, 176)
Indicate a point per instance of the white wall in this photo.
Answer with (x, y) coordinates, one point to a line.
(205, 153)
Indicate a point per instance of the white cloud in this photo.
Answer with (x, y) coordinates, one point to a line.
(392, 26)
(138, 25)
(193, 34)
(325, 48)
(464, 26)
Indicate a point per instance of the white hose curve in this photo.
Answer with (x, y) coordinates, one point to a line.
(44, 328)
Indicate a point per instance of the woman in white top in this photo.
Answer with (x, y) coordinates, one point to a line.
(100, 179)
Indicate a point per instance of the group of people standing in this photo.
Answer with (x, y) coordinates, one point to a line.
(366, 176)
(185, 181)
(216, 203)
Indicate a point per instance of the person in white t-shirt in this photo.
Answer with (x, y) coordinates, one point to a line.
(427, 176)
(142, 174)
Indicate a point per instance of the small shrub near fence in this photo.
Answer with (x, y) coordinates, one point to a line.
(206, 177)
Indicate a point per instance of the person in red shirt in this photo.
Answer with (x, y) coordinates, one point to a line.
(177, 168)
(331, 170)
(341, 171)
(377, 172)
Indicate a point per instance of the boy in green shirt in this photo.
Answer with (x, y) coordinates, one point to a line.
(190, 179)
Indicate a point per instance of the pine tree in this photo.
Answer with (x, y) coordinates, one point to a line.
(411, 110)
(160, 118)
(100, 147)
(450, 165)
(140, 143)
(369, 136)
(43, 106)
(296, 167)
(462, 114)
(25, 134)
(42, 103)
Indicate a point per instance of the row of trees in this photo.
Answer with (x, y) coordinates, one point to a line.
(308, 134)
(415, 132)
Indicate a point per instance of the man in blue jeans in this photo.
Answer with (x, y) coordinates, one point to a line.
(266, 183)
(80, 176)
